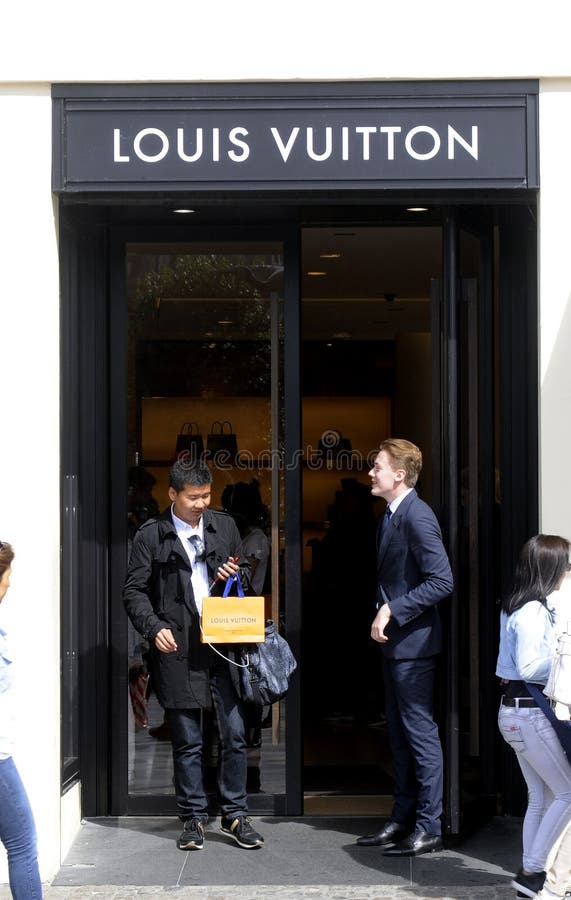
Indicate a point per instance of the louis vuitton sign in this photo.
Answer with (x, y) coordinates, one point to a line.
(301, 141)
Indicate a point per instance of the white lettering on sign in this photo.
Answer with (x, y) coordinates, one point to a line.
(117, 155)
(366, 131)
(234, 139)
(369, 143)
(453, 137)
(151, 157)
(390, 131)
(199, 145)
(426, 129)
(285, 149)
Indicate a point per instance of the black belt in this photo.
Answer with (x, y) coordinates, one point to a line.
(519, 702)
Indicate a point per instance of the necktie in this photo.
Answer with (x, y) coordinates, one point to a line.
(386, 519)
(197, 545)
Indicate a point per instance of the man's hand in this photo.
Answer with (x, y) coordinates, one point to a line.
(165, 642)
(380, 622)
(228, 569)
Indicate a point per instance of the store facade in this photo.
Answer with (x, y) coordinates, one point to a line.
(240, 258)
(358, 259)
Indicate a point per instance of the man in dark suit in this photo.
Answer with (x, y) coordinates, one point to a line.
(413, 575)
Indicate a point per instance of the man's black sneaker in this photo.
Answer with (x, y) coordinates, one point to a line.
(240, 828)
(192, 837)
(529, 885)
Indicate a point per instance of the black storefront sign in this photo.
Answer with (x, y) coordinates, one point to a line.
(310, 137)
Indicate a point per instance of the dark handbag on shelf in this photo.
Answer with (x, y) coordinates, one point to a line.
(266, 668)
(189, 443)
(331, 444)
(562, 727)
(222, 443)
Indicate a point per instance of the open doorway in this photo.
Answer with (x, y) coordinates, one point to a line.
(367, 374)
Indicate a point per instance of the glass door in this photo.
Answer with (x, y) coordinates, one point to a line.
(204, 332)
(367, 374)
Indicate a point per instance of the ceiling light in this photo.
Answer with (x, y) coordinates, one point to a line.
(329, 344)
(343, 335)
(184, 212)
(208, 334)
(316, 272)
(225, 321)
(332, 255)
(417, 209)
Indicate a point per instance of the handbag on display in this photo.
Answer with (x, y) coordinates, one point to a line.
(558, 687)
(222, 443)
(332, 443)
(189, 442)
(232, 620)
(266, 668)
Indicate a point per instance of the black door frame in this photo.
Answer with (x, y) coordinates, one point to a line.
(94, 473)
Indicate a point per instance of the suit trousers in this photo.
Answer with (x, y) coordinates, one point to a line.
(415, 743)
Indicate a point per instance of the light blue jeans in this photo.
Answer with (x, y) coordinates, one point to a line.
(547, 774)
(18, 834)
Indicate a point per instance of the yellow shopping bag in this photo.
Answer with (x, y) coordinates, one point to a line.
(233, 620)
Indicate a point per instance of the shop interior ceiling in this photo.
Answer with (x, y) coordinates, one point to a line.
(376, 284)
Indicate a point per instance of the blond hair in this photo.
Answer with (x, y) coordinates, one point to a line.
(404, 455)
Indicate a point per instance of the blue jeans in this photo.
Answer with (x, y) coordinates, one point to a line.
(187, 741)
(18, 834)
(547, 774)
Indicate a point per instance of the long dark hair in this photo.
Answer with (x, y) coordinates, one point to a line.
(542, 563)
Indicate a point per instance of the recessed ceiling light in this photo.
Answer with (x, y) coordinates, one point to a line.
(417, 209)
(184, 212)
(331, 255)
(316, 272)
(224, 321)
(343, 335)
(329, 344)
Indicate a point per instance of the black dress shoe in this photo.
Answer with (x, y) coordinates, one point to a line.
(389, 834)
(416, 844)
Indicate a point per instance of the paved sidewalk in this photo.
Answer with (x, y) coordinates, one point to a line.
(313, 858)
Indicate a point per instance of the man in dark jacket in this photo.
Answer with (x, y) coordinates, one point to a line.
(173, 562)
(413, 576)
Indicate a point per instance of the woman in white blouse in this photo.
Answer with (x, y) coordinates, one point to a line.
(527, 644)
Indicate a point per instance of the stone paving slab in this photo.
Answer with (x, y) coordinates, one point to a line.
(274, 892)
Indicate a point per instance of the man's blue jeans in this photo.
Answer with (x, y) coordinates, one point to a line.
(186, 729)
(18, 834)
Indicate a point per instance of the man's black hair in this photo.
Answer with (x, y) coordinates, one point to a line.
(182, 473)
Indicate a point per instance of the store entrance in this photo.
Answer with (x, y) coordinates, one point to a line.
(314, 342)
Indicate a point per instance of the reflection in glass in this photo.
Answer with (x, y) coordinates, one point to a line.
(205, 345)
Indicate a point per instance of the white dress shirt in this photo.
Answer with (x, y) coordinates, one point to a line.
(199, 575)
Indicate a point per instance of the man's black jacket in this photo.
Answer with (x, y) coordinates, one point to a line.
(158, 594)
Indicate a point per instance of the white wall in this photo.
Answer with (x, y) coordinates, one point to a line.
(177, 40)
(29, 445)
(555, 306)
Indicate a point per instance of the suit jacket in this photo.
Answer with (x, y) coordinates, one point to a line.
(413, 575)
(158, 594)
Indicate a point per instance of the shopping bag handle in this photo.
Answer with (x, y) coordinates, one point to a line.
(230, 581)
